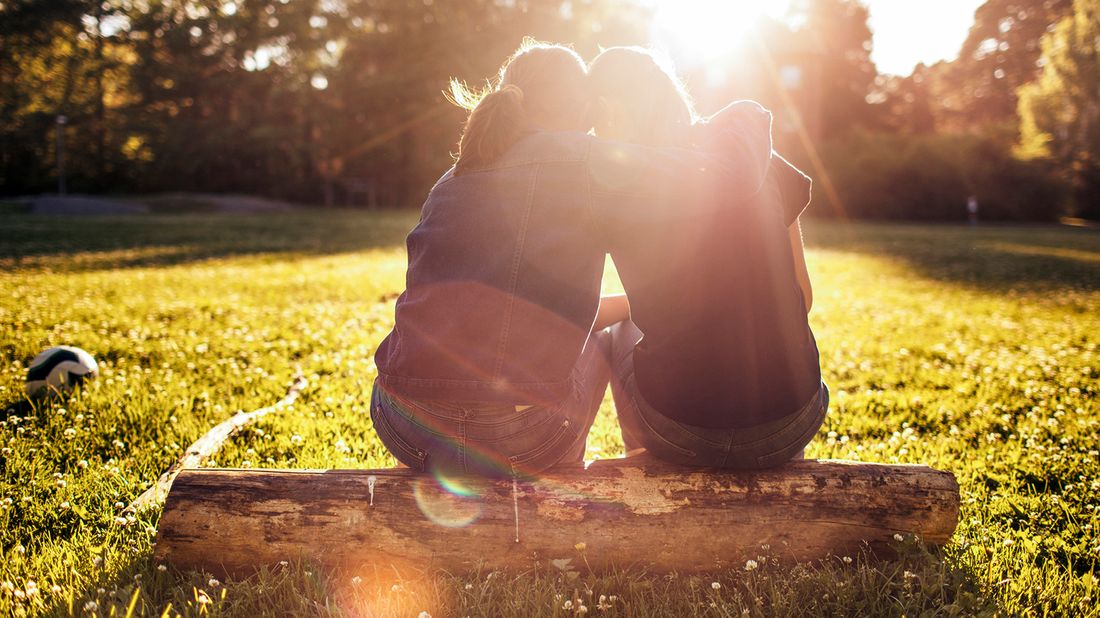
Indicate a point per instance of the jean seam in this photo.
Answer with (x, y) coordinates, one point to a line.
(793, 421)
(383, 424)
(464, 447)
(804, 437)
(521, 242)
(653, 432)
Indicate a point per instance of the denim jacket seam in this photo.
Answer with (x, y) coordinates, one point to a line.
(589, 199)
(513, 280)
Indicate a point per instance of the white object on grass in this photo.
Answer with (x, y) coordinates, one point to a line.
(59, 369)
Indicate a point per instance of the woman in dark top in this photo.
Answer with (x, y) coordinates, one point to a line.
(490, 369)
(714, 363)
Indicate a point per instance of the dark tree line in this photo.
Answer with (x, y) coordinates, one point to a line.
(340, 101)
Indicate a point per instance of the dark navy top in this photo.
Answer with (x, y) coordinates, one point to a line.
(727, 343)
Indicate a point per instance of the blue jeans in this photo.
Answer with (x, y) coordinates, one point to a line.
(495, 440)
(749, 448)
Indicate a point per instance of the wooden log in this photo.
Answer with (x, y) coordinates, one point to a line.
(626, 513)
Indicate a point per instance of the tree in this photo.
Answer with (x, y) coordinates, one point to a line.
(1000, 54)
(1060, 112)
(843, 39)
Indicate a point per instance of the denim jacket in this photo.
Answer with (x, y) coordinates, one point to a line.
(505, 265)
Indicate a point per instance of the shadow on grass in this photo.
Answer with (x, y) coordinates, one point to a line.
(992, 258)
(81, 244)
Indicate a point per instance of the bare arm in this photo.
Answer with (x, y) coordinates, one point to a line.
(800, 270)
(613, 308)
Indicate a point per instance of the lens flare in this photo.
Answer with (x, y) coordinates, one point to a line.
(449, 502)
(711, 28)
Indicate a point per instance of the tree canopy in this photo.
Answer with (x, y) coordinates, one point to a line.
(340, 101)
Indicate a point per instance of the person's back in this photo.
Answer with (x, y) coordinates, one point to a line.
(503, 280)
(715, 363)
(727, 341)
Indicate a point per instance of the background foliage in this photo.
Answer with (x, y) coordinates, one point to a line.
(339, 101)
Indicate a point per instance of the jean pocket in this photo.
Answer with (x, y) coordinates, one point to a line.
(548, 452)
(655, 438)
(400, 448)
(809, 428)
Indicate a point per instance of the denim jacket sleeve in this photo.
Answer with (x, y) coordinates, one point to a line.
(642, 182)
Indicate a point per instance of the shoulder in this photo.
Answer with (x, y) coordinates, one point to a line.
(546, 147)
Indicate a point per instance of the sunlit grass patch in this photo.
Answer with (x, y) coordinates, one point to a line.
(974, 351)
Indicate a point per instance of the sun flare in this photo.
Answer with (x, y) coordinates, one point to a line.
(711, 28)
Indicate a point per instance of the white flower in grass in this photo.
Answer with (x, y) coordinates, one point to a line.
(55, 589)
(899, 538)
(162, 567)
(82, 464)
(716, 585)
(355, 581)
(296, 439)
(213, 583)
(5, 451)
(91, 606)
(120, 521)
(568, 605)
(423, 615)
(203, 598)
(751, 565)
(97, 561)
(847, 559)
(64, 506)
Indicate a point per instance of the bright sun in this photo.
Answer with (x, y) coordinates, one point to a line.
(711, 28)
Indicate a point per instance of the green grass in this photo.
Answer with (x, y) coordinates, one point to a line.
(974, 351)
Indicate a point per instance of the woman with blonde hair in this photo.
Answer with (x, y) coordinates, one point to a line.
(714, 363)
(489, 368)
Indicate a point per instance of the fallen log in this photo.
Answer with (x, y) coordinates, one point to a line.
(626, 513)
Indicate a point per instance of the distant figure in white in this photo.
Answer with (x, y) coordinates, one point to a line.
(972, 209)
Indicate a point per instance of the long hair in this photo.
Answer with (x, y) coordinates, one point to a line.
(540, 87)
(645, 87)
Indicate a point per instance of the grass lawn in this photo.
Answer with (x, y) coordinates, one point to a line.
(972, 350)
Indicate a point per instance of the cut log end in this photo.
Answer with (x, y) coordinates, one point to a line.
(626, 513)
